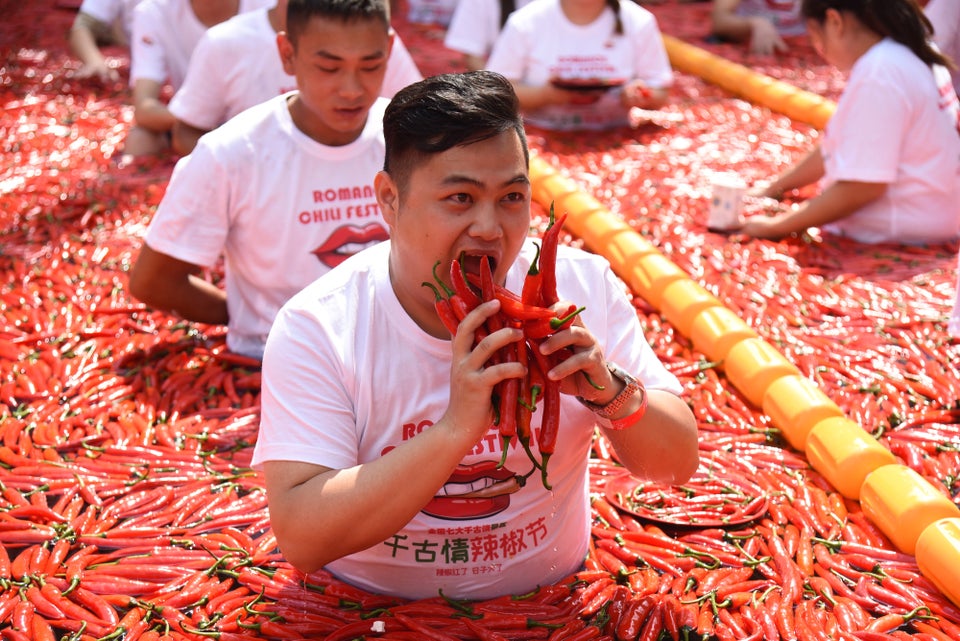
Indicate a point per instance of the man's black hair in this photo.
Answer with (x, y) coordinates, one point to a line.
(446, 111)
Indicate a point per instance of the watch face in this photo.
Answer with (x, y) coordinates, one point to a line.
(621, 373)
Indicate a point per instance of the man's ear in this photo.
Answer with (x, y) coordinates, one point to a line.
(286, 50)
(388, 197)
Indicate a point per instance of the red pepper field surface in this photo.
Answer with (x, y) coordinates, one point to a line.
(128, 509)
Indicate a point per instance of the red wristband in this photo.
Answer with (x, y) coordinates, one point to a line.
(631, 386)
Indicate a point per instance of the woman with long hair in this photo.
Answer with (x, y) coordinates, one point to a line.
(889, 159)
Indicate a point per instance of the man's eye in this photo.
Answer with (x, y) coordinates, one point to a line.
(515, 197)
(460, 198)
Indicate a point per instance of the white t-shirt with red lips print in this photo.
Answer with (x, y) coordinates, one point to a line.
(348, 376)
(280, 207)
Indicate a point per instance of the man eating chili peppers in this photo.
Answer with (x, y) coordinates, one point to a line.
(382, 459)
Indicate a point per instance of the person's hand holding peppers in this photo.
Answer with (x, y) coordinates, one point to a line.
(582, 369)
(474, 371)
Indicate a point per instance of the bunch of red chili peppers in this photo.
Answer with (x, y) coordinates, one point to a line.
(515, 399)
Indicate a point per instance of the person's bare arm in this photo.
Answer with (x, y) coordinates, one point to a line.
(83, 43)
(837, 201)
(759, 32)
(662, 446)
(473, 62)
(320, 514)
(163, 282)
(637, 94)
(185, 137)
(148, 110)
(806, 171)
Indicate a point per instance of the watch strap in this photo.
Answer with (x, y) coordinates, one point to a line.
(604, 412)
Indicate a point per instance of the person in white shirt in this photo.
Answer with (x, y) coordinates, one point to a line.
(377, 440)
(282, 192)
(235, 66)
(583, 64)
(436, 12)
(100, 22)
(165, 33)
(944, 16)
(761, 23)
(475, 26)
(889, 160)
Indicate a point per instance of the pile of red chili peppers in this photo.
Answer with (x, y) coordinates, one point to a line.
(128, 508)
(515, 400)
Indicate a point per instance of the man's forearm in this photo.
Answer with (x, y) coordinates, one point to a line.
(662, 446)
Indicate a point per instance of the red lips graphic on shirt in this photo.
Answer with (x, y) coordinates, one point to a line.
(347, 241)
(474, 491)
(781, 5)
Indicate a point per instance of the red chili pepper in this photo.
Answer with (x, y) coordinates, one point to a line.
(509, 396)
(526, 404)
(511, 305)
(587, 633)
(670, 607)
(530, 293)
(461, 287)
(549, 426)
(423, 630)
(444, 310)
(606, 511)
(598, 600)
(547, 326)
(487, 284)
(634, 615)
(483, 633)
(568, 630)
(548, 261)
(653, 625)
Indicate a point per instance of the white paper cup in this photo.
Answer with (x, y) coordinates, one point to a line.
(726, 201)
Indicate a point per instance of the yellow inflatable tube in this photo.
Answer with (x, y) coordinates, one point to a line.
(809, 420)
(760, 89)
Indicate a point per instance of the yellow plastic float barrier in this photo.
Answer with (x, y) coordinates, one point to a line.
(795, 405)
(760, 89)
(716, 329)
(938, 556)
(845, 454)
(903, 504)
(753, 364)
(603, 232)
(681, 302)
(650, 275)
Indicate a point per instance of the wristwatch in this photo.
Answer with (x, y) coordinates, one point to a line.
(604, 412)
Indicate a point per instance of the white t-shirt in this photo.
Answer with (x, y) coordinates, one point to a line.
(348, 375)
(539, 43)
(281, 208)
(945, 17)
(165, 33)
(475, 26)
(432, 11)
(111, 12)
(890, 127)
(953, 326)
(236, 65)
(784, 14)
